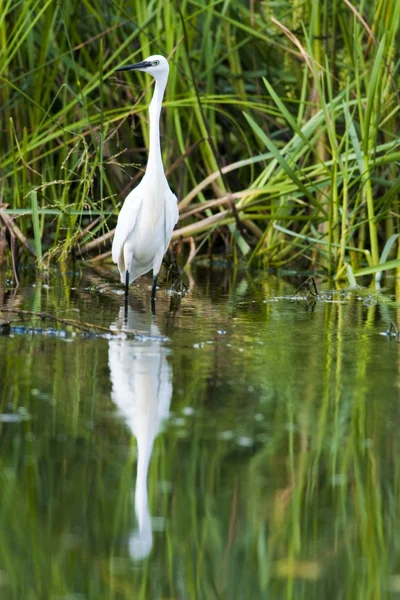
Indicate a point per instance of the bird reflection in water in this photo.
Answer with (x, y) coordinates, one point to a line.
(141, 379)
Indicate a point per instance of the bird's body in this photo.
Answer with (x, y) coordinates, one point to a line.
(150, 211)
(144, 228)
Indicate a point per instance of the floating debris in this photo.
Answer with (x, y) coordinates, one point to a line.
(86, 330)
(342, 296)
(392, 332)
(310, 286)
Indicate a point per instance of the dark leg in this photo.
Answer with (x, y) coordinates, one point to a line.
(153, 288)
(126, 293)
(153, 295)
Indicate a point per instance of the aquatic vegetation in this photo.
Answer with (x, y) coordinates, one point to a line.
(280, 138)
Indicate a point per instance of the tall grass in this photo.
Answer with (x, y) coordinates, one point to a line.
(280, 129)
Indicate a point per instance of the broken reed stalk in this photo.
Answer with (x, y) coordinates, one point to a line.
(89, 327)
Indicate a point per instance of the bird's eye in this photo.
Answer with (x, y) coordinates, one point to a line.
(155, 63)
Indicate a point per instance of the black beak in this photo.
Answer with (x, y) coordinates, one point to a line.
(140, 65)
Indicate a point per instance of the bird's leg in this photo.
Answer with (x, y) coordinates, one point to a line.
(126, 293)
(153, 288)
(153, 295)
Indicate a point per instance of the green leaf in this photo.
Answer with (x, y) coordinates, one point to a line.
(36, 226)
(391, 264)
(281, 160)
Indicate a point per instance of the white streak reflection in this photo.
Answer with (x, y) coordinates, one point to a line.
(141, 379)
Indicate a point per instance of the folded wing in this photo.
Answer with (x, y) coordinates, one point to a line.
(126, 222)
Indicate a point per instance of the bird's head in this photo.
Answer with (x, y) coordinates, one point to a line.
(156, 65)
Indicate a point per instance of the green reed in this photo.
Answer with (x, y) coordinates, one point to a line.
(286, 115)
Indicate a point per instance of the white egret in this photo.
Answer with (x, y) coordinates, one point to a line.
(150, 211)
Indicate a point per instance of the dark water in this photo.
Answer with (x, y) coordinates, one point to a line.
(244, 446)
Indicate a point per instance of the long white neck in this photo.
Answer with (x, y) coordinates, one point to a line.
(155, 158)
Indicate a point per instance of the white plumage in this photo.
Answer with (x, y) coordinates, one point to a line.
(144, 229)
(150, 211)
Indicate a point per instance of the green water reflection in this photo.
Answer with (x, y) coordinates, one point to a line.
(269, 429)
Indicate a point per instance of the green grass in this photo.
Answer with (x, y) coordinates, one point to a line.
(290, 111)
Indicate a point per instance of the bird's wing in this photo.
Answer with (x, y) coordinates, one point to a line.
(126, 221)
(171, 216)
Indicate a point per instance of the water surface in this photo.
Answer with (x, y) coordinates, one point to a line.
(244, 445)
